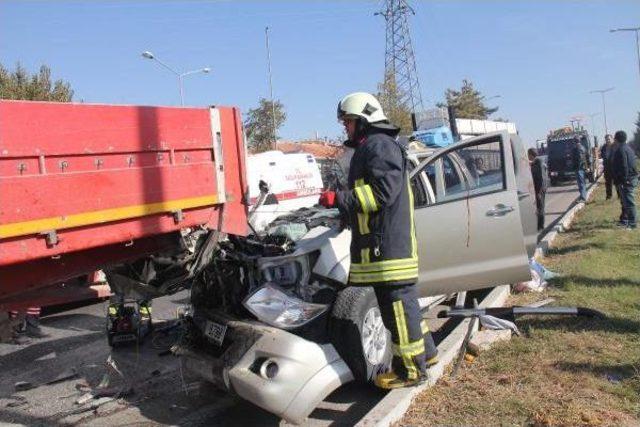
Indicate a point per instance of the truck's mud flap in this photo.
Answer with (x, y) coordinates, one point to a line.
(281, 372)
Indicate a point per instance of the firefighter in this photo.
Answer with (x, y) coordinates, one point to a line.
(378, 207)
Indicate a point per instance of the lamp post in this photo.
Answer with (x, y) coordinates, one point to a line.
(604, 106)
(635, 30)
(273, 107)
(149, 55)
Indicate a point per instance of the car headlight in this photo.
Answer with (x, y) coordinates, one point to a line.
(273, 306)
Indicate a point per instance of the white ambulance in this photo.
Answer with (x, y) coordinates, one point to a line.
(293, 181)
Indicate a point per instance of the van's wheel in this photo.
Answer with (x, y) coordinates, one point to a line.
(592, 177)
(358, 334)
(554, 182)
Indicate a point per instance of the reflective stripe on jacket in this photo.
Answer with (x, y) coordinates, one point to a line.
(379, 209)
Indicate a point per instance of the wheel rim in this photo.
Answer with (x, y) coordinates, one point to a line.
(374, 336)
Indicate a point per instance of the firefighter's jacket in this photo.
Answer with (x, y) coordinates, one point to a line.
(378, 206)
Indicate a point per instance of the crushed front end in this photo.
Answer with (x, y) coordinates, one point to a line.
(258, 321)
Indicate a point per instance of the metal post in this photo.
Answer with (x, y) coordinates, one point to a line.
(181, 90)
(638, 47)
(593, 124)
(604, 114)
(604, 106)
(273, 108)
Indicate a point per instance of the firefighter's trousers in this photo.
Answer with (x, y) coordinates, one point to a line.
(413, 346)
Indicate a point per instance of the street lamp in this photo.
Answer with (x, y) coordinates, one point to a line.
(149, 55)
(636, 30)
(604, 106)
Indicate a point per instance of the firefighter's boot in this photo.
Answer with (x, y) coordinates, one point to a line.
(390, 380)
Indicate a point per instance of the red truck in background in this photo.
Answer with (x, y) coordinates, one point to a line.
(143, 190)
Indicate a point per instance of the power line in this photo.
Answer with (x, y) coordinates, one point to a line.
(400, 61)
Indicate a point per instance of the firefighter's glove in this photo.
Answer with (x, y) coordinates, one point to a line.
(328, 199)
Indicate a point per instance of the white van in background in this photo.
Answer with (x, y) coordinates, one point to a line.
(293, 180)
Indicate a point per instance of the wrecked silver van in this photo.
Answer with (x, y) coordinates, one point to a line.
(273, 320)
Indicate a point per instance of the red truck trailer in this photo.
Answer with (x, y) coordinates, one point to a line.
(89, 186)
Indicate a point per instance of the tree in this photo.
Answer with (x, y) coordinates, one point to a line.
(18, 84)
(259, 124)
(390, 98)
(636, 136)
(467, 102)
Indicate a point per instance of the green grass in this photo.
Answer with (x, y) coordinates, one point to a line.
(562, 370)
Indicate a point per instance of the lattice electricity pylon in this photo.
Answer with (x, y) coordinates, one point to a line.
(400, 61)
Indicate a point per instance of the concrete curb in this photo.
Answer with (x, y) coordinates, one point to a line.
(564, 223)
(396, 403)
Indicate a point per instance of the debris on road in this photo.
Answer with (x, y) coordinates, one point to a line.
(23, 385)
(496, 324)
(66, 375)
(18, 401)
(539, 278)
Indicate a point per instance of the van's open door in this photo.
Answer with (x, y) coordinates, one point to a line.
(469, 232)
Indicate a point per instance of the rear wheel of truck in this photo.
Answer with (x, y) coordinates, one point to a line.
(358, 333)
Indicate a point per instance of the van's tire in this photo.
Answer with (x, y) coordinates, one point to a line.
(355, 313)
(592, 177)
(553, 182)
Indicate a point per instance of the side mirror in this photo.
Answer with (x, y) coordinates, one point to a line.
(263, 186)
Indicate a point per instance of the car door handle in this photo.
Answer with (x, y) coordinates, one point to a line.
(500, 210)
(523, 194)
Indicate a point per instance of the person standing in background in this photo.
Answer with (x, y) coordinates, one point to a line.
(625, 177)
(540, 183)
(605, 155)
(581, 164)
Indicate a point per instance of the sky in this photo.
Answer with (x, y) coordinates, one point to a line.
(542, 57)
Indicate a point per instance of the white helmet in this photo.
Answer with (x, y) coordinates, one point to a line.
(363, 105)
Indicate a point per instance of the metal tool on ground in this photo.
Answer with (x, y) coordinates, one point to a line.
(511, 312)
(129, 321)
(467, 337)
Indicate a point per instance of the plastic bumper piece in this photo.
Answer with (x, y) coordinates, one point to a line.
(280, 372)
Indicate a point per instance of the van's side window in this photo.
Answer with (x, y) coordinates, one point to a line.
(461, 173)
(485, 167)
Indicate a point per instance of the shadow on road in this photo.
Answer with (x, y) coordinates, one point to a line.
(75, 322)
(40, 348)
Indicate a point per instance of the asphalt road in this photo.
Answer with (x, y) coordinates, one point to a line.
(161, 393)
(558, 200)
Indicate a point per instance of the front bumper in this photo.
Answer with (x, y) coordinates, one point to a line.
(305, 372)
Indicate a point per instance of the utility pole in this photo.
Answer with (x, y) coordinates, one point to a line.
(636, 30)
(273, 108)
(604, 106)
(400, 61)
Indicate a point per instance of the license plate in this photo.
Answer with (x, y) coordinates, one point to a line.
(215, 331)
